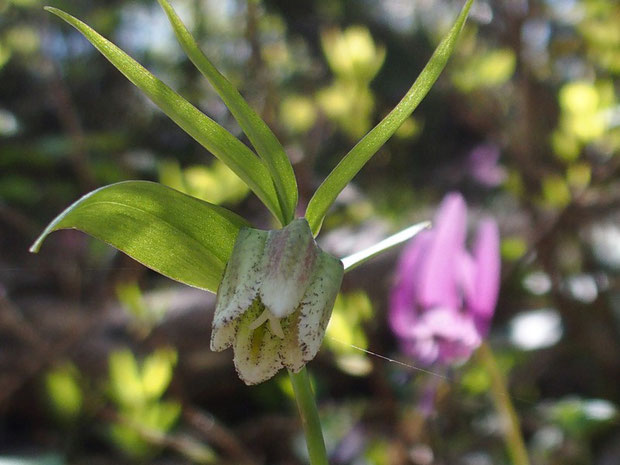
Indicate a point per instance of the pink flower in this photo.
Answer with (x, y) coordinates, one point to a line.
(483, 165)
(444, 297)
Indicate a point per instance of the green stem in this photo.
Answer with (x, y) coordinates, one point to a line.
(309, 417)
(503, 404)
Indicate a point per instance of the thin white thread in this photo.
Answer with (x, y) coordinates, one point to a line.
(391, 360)
(413, 367)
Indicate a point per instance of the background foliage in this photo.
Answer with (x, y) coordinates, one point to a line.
(102, 361)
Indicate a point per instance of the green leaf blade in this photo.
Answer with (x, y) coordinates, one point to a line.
(262, 138)
(179, 236)
(357, 157)
(203, 129)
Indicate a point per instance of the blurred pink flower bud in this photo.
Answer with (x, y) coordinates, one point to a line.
(444, 297)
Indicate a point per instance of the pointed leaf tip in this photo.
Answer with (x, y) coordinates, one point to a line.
(260, 135)
(359, 155)
(179, 236)
(203, 129)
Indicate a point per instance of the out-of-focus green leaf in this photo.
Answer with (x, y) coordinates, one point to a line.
(490, 69)
(23, 39)
(125, 379)
(345, 332)
(25, 3)
(5, 54)
(143, 417)
(410, 129)
(555, 191)
(130, 441)
(513, 248)
(130, 296)
(348, 104)
(350, 165)
(578, 416)
(264, 141)
(174, 234)
(64, 391)
(215, 183)
(352, 54)
(141, 431)
(578, 175)
(203, 129)
(157, 372)
(298, 113)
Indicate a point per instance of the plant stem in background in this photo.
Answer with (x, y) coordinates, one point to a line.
(505, 409)
(309, 417)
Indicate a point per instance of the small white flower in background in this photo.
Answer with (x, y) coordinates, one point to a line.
(275, 300)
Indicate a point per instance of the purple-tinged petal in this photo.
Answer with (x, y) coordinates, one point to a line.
(487, 260)
(484, 167)
(403, 313)
(437, 284)
(453, 333)
(424, 351)
(411, 256)
(444, 297)
(455, 351)
(466, 272)
(451, 324)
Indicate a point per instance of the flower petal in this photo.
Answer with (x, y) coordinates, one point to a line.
(403, 314)
(318, 302)
(437, 283)
(487, 277)
(290, 255)
(424, 351)
(453, 333)
(403, 309)
(239, 286)
(256, 351)
(466, 273)
(291, 355)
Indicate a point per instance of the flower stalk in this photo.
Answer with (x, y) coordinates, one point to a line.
(501, 398)
(309, 417)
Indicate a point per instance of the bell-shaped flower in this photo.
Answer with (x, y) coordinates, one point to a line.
(275, 300)
(444, 297)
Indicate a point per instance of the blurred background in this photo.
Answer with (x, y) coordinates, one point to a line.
(103, 361)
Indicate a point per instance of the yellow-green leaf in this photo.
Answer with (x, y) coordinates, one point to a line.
(353, 161)
(203, 129)
(174, 234)
(264, 141)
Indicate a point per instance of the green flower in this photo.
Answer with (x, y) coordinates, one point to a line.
(275, 300)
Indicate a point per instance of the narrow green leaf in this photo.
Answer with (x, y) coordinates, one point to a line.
(203, 129)
(353, 161)
(174, 234)
(264, 141)
(358, 258)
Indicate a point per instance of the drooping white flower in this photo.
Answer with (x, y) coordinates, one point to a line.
(275, 300)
